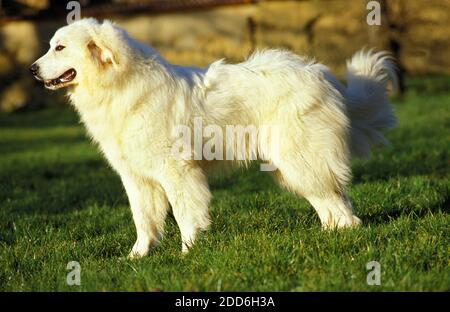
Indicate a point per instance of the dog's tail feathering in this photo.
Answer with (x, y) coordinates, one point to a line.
(369, 110)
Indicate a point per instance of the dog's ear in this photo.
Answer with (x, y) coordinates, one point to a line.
(101, 54)
(103, 38)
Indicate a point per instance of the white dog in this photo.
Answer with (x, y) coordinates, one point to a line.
(130, 100)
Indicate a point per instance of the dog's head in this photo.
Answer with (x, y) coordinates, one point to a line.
(84, 52)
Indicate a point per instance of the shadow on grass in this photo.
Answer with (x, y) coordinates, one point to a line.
(393, 213)
(385, 168)
(54, 116)
(12, 145)
(60, 187)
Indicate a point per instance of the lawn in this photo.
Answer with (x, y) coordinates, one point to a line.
(60, 202)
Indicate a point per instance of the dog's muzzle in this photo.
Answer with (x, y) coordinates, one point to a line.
(68, 76)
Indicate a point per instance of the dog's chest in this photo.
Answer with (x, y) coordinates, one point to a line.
(125, 140)
(108, 132)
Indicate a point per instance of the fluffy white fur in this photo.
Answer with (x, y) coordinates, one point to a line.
(130, 100)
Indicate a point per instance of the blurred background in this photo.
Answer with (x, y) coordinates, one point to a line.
(196, 32)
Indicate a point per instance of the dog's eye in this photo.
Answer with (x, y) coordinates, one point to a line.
(59, 47)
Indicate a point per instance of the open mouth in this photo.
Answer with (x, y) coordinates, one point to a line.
(62, 80)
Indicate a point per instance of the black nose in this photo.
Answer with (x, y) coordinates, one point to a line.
(34, 69)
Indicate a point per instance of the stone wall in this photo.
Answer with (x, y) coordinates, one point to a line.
(331, 31)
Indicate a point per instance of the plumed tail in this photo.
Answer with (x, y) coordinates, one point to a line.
(368, 76)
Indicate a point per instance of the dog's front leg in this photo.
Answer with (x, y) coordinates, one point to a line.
(149, 207)
(188, 193)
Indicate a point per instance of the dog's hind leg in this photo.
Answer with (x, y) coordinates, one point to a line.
(313, 162)
(188, 193)
(313, 158)
(329, 200)
(149, 207)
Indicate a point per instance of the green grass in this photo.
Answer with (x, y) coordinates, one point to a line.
(59, 201)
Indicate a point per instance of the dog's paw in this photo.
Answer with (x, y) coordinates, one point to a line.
(139, 250)
(356, 221)
(134, 255)
(342, 222)
(185, 246)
